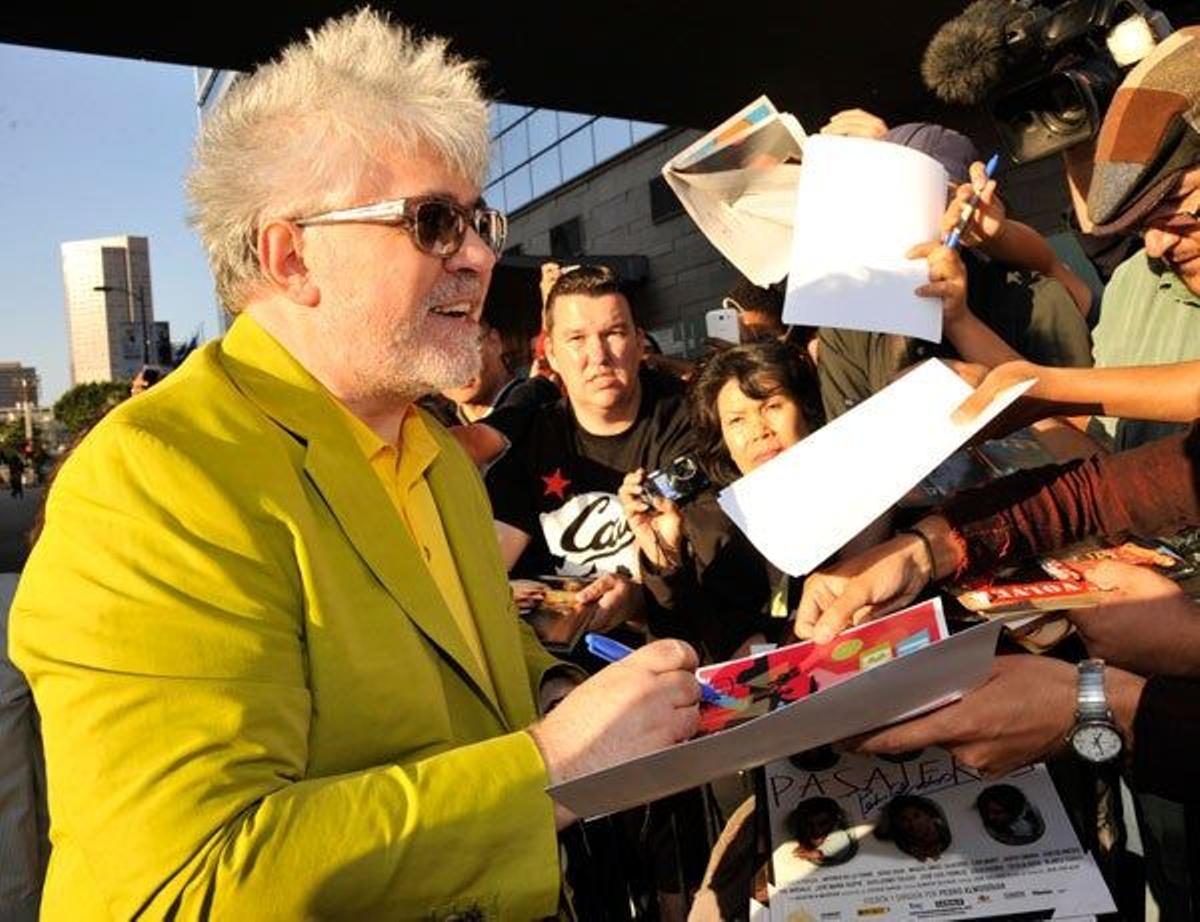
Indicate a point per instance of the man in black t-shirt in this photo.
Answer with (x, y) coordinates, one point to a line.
(554, 492)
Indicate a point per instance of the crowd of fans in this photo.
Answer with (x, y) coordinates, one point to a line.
(315, 695)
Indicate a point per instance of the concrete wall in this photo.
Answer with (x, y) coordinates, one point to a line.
(687, 276)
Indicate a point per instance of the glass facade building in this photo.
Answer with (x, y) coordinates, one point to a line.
(535, 151)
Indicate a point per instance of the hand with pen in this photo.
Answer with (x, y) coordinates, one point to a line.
(986, 218)
(646, 701)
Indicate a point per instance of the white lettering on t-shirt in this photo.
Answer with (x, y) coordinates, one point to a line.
(590, 533)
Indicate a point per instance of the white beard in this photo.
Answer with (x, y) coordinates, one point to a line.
(414, 358)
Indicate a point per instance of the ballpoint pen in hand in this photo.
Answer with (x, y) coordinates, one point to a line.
(612, 651)
(968, 210)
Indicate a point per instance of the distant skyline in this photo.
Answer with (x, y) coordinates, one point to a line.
(92, 147)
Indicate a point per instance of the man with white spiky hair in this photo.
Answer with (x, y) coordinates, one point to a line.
(267, 625)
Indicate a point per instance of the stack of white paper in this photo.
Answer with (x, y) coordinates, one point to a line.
(861, 205)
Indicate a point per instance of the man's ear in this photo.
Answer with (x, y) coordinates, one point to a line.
(550, 359)
(281, 261)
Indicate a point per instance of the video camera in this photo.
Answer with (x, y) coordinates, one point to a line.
(1046, 72)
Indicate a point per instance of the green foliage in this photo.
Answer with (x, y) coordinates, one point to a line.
(81, 407)
(12, 442)
(12, 436)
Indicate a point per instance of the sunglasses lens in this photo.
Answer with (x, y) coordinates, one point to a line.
(440, 228)
(492, 226)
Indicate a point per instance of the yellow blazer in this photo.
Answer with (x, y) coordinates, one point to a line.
(255, 703)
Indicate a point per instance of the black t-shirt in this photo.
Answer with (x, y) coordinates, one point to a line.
(558, 483)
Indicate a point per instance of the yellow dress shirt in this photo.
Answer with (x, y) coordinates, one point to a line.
(401, 468)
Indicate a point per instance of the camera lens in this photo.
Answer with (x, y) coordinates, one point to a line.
(683, 469)
(1066, 107)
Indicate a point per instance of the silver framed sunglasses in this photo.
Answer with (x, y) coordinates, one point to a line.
(436, 224)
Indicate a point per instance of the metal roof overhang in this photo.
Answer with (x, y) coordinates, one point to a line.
(678, 64)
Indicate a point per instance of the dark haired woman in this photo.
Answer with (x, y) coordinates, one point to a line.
(707, 583)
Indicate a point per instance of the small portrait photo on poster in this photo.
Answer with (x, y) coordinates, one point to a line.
(916, 825)
(822, 832)
(1009, 816)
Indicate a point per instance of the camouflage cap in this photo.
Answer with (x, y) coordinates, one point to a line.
(1150, 135)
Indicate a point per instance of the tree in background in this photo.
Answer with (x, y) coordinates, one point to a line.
(81, 407)
(12, 442)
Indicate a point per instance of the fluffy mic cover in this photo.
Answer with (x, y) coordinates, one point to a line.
(966, 58)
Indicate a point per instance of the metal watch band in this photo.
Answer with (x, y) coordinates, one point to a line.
(1092, 704)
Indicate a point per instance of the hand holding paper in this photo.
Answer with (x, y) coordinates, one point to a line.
(807, 502)
(738, 183)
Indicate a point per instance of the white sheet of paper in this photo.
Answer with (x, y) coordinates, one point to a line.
(808, 501)
(933, 675)
(861, 204)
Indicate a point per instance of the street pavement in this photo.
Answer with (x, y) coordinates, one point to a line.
(16, 516)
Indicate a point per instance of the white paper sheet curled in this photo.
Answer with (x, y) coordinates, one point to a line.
(808, 501)
(860, 205)
(738, 183)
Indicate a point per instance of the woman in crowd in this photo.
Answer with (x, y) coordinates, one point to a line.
(708, 584)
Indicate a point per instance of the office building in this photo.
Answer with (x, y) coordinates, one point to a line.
(110, 308)
(18, 385)
(594, 193)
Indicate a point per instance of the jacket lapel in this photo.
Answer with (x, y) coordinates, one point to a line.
(477, 556)
(286, 392)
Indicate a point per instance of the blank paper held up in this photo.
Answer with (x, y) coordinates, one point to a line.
(861, 205)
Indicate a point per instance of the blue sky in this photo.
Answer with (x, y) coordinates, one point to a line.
(91, 147)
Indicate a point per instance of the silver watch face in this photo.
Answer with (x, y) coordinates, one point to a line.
(1096, 742)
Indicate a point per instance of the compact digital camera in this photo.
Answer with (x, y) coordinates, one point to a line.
(681, 481)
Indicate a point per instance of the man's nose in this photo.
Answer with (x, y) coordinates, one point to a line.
(597, 350)
(1159, 241)
(473, 256)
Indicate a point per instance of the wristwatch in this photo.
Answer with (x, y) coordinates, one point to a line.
(1094, 737)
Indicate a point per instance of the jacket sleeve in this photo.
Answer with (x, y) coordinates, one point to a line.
(1154, 489)
(162, 627)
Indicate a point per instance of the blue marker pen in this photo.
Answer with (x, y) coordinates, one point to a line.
(612, 651)
(972, 203)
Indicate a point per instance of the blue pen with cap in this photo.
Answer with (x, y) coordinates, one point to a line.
(968, 210)
(612, 651)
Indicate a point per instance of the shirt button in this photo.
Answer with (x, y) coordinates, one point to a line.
(428, 552)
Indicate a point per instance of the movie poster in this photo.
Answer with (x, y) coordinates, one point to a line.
(920, 837)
